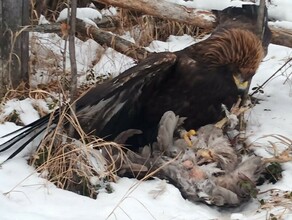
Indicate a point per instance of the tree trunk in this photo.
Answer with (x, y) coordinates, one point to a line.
(14, 54)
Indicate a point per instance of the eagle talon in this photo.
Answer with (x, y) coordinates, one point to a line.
(187, 135)
(231, 117)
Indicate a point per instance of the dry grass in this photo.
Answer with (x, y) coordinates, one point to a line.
(50, 9)
(21, 93)
(145, 28)
(77, 165)
(277, 203)
(278, 146)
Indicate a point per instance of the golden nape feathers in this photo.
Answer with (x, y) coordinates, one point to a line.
(240, 50)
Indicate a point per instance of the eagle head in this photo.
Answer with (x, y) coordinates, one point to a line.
(238, 51)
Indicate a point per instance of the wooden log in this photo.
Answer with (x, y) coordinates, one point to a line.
(107, 22)
(167, 10)
(281, 36)
(170, 11)
(106, 38)
(100, 36)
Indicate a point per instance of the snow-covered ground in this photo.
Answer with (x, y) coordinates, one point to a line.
(27, 196)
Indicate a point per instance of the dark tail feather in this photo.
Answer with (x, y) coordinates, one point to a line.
(28, 134)
(21, 147)
(36, 123)
(26, 130)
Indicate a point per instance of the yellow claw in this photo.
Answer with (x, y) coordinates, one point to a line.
(187, 136)
(220, 124)
(191, 132)
(206, 154)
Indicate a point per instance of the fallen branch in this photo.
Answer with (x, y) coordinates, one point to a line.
(100, 36)
(167, 10)
(119, 44)
(200, 18)
(161, 9)
(105, 22)
(281, 36)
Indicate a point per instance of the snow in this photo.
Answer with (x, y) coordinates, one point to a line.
(113, 63)
(111, 11)
(43, 20)
(25, 195)
(173, 43)
(88, 15)
(210, 4)
(281, 24)
(277, 9)
(276, 92)
(35, 198)
(280, 10)
(26, 112)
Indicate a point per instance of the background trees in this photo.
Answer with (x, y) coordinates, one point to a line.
(14, 15)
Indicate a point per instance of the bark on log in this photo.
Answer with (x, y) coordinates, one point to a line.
(281, 36)
(107, 22)
(167, 10)
(119, 44)
(170, 11)
(100, 36)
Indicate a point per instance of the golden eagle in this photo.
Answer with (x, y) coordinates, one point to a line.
(193, 83)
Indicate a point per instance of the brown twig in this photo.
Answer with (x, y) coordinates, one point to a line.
(73, 86)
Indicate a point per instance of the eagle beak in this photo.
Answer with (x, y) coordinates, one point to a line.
(240, 82)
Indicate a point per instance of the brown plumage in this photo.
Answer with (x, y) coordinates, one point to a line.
(193, 83)
(201, 79)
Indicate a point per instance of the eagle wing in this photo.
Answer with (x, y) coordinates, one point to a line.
(112, 107)
(106, 109)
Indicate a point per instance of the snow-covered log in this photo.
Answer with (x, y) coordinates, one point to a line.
(167, 10)
(200, 18)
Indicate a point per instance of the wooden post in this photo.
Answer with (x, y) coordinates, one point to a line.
(14, 43)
